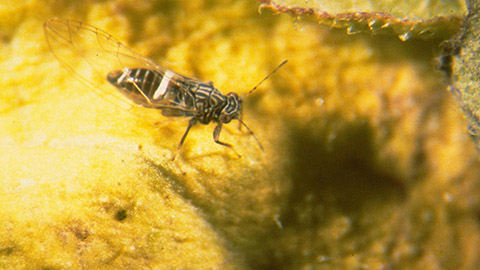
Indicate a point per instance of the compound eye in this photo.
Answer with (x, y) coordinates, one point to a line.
(225, 118)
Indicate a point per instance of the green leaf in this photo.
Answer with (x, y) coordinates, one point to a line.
(407, 19)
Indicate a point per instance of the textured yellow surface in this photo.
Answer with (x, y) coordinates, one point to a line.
(367, 163)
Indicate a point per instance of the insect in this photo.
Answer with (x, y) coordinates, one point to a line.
(142, 80)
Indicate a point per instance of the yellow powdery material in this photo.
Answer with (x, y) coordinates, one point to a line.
(56, 215)
(88, 184)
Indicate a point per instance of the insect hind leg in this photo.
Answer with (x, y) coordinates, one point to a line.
(132, 81)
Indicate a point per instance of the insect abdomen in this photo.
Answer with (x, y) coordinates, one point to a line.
(143, 86)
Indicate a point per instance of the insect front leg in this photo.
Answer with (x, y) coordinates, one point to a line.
(240, 122)
(191, 123)
(216, 136)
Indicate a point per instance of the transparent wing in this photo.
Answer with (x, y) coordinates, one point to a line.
(90, 54)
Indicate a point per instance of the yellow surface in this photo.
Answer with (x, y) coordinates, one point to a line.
(366, 157)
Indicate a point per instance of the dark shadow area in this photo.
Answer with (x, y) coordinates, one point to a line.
(337, 166)
(334, 173)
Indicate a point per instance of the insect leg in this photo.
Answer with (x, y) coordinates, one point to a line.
(240, 118)
(191, 123)
(216, 135)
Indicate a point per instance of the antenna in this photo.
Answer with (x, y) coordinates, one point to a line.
(266, 77)
(251, 133)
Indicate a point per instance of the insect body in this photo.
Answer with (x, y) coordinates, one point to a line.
(178, 96)
(140, 79)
